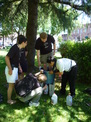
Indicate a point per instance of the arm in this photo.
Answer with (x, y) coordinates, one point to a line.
(38, 57)
(7, 59)
(38, 73)
(20, 68)
(26, 52)
(56, 73)
(59, 73)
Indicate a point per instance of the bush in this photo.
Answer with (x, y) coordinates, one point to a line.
(81, 53)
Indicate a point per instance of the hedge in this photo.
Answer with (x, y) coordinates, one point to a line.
(81, 53)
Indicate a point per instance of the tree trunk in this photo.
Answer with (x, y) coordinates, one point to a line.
(3, 40)
(32, 32)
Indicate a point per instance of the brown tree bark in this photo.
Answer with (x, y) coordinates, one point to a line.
(32, 32)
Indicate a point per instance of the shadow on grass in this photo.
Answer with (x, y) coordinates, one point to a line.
(45, 112)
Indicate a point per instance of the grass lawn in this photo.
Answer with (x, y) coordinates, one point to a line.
(45, 112)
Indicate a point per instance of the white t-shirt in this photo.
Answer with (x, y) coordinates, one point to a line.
(64, 64)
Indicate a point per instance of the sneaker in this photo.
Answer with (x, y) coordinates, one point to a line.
(11, 102)
(1, 96)
(33, 104)
(73, 96)
(1, 100)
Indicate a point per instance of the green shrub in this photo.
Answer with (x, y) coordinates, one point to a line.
(81, 53)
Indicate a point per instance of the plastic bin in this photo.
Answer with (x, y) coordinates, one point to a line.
(50, 77)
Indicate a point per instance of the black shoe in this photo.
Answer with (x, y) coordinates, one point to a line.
(1, 96)
(73, 95)
(1, 100)
(62, 92)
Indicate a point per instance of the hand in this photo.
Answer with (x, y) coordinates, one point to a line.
(41, 71)
(60, 76)
(20, 70)
(50, 72)
(45, 87)
(10, 72)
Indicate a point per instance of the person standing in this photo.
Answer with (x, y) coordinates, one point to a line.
(44, 49)
(23, 63)
(68, 69)
(12, 64)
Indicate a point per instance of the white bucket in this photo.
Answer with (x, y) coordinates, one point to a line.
(69, 100)
(54, 99)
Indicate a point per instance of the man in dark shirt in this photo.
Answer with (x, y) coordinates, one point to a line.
(12, 62)
(44, 48)
(23, 63)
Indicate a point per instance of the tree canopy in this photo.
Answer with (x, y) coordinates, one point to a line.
(41, 15)
(53, 15)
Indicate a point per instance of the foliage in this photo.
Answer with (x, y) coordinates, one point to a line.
(59, 38)
(14, 19)
(5, 27)
(63, 11)
(53, 18)
(81, 53)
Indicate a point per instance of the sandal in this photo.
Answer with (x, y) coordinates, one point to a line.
(11, 102)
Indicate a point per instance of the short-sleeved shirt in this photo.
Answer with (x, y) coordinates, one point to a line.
(23, 59)
(64, 64)
(45, 47)
(14, 55)
(22, 54)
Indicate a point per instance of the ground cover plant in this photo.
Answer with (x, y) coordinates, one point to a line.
(80, 111)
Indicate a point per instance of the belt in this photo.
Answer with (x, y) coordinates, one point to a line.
(12, 65)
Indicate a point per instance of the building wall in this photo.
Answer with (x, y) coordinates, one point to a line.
(6, 41)
(79, 34)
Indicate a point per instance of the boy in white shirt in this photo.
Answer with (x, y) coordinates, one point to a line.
(68, 69)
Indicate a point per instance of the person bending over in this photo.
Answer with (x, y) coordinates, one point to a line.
(68, 69)
(29, 89)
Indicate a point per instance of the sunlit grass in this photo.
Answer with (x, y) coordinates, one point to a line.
(57, 54)
(3, 52)
(45, 112)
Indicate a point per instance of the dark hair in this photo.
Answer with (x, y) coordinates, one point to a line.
(50, 59)
(21, 39)
(54, 60)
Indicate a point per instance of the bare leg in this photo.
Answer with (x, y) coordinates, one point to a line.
(9, 93)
